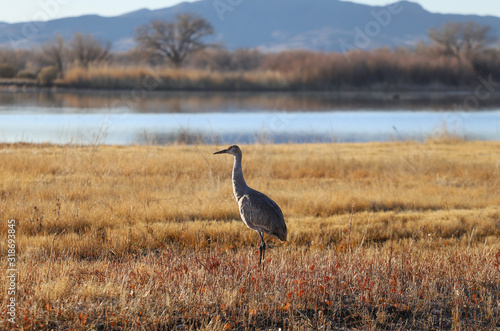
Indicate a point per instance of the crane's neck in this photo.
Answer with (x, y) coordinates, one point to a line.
(240, 187)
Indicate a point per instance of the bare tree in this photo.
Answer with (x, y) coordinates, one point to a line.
(462, 39)
(54, 52)
(174, 40)
(448, 38)
(476, 38)
(16, 57)
(85, 49)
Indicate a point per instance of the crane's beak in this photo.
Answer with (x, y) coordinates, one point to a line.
(221, 152)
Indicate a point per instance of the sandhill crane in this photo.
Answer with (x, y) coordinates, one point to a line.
(257, 211)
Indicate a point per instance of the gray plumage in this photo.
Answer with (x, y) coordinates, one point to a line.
(257, 211)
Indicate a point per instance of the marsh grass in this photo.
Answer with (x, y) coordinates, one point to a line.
(127, 77)
(379, 69)
(381, 236)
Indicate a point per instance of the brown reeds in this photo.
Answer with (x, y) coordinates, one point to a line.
(292, 70)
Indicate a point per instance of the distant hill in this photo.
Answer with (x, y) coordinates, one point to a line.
(325, 25)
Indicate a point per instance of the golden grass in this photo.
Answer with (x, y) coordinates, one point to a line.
(381, 235)
(118, 77)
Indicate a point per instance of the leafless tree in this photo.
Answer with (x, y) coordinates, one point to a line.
(462, 40)
(85, 49)
(476, 38)
(246, 59)
(174, 40)
(54, 53)
(448, 38)
(16, 57)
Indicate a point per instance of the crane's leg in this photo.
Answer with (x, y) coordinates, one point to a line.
(262, 248)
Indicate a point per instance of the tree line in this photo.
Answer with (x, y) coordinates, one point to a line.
(182, 43)
(157, 41)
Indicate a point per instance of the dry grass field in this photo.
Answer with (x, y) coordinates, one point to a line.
(401, 235)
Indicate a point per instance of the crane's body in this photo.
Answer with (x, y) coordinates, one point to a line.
(257, 210)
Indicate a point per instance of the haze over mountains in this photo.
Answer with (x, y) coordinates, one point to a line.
(271, 25)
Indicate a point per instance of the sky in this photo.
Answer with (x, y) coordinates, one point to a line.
(42, 10)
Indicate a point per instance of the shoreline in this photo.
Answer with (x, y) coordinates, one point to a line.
(283, 100)
(32, 86)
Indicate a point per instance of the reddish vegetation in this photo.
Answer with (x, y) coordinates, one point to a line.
(403, 285)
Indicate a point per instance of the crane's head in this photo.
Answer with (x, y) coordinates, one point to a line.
(233, 150)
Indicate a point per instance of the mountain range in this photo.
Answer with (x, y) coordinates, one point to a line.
(270, 25)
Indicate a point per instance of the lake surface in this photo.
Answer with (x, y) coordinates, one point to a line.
(121, 118)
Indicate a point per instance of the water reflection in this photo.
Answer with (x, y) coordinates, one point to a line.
(202, 102)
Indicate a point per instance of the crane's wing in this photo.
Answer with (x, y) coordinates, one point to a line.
(261, 213)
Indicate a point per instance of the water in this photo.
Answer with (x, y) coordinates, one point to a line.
(226, 119)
